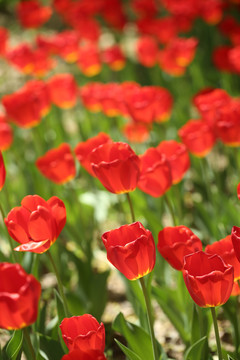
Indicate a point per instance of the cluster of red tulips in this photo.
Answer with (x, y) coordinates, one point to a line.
(163, 92)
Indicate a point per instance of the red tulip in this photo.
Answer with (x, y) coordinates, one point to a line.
(136, 132)
(177, 156)
(155, 178)
(63, 90)
(84, 149)
(83, 333)
(2, 172)
(198, 137)
(117, 166)
(228, 125)
(21, 57)
(113, 56)
(31, 14)
(82, 355)
(3, 40)
(6, 133)
(28, 105)
(66, 44)
(176, 242)
(91, 95)
(89, 59)
(208, 279)
(224, 248)
(37, 223)
(57, 164)
(147, 51)
(131, 249)
(19, 297)
(236, 240)
(163, 104)
(235, 289)
(238, 191)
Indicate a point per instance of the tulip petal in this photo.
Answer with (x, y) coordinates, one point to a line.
(58, 212)
(31, 202)
(36, 247)
(41, 225)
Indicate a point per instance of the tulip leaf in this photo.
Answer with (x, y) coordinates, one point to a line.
(129, 353)
(138, 339)
(51, 348)
(60, 308)
(14, 346)
(230, 358)
(195, 351)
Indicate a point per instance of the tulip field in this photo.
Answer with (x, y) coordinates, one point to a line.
(120, 180)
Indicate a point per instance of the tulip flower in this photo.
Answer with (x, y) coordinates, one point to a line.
(224, 248)
(83, 333)
(131, 249)
(117, 166)
(177, 156)
(155, 177)
(19, 297)
(91, 95)
(176, 242)
(2, 172)
(6, 133)
(37, 223)
(3, 40)
(28, 105)
(62, 90)
(208, 279)
(198, 137)
(227, 125)
(57, 164)
(238, 191)
(84, 149)
(113, 57)
(236, 241)
(136, 132)
(147, 51)
(31, 14)
(89, 60)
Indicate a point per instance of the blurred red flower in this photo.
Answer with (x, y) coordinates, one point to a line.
(63, 90)
(174, 242)
(177, 156)
(58, 164)
(208, 279)
(147, 50)
(163, 104)
(198, 137)
(6, 133)
(155, 177)
(131, 249)
(3, 40)
(136, 132)
(19, 297)
(31, 14)
(91, 95)
(28, 105)
(238, 191)
(89, 59)
(228, 124)
(113, 56)
(21, 57)
(224, 248)
(2, 172)
(83, 333)
(84, 149)
(37, 223)
(117, 166)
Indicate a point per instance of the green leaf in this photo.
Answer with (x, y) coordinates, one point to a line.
(195, 351)
(230, 358)
(60, 308)
(14, 346)
(50, 348)
(131, 355)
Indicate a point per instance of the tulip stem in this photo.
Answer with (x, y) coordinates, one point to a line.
(29, 343)
(150, 318)
(170, 208)
(60, 286)
(8, 236)
(216, 333)
(131, 207)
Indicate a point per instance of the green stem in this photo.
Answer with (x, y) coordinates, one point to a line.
(216, 333)
(60, 286)
(9, 237)
(131, 207)
(150, 318)
(170, 208)
(29, 343)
